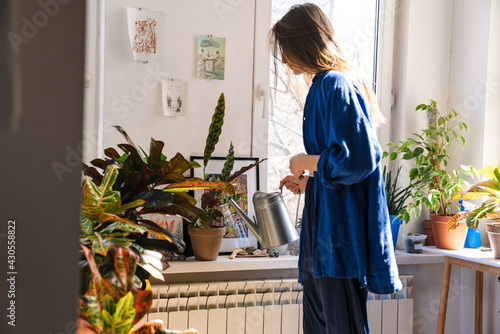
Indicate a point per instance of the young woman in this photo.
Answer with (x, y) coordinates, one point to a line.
(345, 247)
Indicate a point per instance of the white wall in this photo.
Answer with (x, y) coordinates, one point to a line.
(491, 153)
(467, 81)
(142, 116)
(422, 61)
(448, 51)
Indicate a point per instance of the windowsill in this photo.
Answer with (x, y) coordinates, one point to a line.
(283, 262)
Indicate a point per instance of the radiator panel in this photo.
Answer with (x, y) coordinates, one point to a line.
(263, 307)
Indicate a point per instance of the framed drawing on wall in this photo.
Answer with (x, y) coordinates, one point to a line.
(237, 233)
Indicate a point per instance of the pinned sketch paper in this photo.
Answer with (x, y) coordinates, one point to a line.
(211, 57)
(174, 95)
(144, 28)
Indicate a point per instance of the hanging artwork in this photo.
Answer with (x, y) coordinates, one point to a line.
(144, 28)
(174, 95)
(211, 57)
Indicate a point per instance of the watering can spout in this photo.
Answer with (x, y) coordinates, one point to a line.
(249, 222)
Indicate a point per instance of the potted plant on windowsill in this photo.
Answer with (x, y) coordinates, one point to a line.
(428, 151)
(113, 204)
(117, 259)
(396, 199)
(206, 238)
(490, 208)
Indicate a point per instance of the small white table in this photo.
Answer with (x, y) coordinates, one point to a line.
(475, 259)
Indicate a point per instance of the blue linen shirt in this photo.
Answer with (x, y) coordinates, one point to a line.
(351, 228)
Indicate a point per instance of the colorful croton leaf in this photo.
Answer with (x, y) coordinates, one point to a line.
(489, 189)
(104, 225)
(113, 305)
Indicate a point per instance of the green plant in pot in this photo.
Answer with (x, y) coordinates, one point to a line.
(490, 208)
(396, 198)
(206, 238)
(113, 204)
(112, 296)
(429, 152)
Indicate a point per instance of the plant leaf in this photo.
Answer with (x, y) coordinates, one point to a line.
(111, 153)
(418, 151)
(124, 227)
(157, 244)
(481, 212)
(245, 169)
(100, 245)
(93, 174)
(134, 160)
(103, 194)
(155, 198)
(155, 152)
(454, 221)
(215, 129)
(125, 263)
(199, 184)
(173, 170)
(228, 165)
(125, 135)
(104, 217)
(153, 271)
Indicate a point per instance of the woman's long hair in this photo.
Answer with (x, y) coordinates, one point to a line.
(305, 38)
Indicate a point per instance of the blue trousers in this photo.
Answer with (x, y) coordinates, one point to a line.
(331, 305)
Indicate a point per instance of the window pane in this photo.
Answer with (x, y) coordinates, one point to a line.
(355, 26)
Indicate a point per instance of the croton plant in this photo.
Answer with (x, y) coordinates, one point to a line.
(113, 200)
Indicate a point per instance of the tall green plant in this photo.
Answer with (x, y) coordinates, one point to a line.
(213, 198)
(396, 195)
(429, 152)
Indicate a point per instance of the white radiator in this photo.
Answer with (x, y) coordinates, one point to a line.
(257, 307)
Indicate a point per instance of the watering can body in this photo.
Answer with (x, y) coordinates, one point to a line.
(274, 227)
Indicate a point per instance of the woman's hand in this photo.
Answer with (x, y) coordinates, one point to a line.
(296, 165)
(293, 184)
(301, 162)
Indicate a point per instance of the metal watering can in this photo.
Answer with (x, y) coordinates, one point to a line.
(274, 227)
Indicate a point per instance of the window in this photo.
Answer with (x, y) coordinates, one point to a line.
(355, 25)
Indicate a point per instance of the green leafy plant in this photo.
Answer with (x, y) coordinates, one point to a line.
(159, 182)
(428, 151)
(490, 189)
(113, 305)
(105, 225)
(396, 195)
(213, 198)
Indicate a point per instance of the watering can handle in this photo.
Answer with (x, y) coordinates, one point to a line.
(298, 204)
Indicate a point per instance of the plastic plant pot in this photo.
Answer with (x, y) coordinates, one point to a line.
(395, 224)
(414, 242)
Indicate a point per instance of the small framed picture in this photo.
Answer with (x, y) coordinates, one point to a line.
(237, 233)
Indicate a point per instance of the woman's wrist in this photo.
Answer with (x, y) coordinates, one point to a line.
(310, 162)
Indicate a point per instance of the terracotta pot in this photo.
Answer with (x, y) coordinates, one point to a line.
(206, 242)
(447, 240)
(493, 230)
(428, 231)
